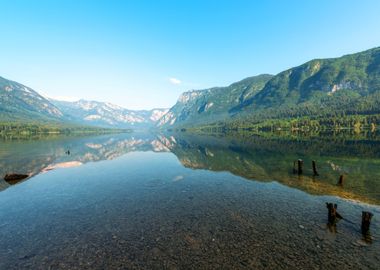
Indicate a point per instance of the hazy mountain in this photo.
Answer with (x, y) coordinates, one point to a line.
(200, 106)
(19, 102)
(108, 115)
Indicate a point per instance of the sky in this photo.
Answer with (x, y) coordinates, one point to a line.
(143, 54)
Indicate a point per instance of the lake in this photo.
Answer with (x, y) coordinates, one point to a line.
(180, 201)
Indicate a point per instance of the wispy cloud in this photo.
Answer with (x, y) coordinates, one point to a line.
(175, 81)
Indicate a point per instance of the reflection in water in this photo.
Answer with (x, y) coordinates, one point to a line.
(150, 208)
(35, 156)
(256, 157)
(267, 159)
(61, 165)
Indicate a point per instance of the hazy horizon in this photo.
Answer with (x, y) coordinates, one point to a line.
(143, 55)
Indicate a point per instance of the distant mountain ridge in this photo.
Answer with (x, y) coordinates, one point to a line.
(105, 114)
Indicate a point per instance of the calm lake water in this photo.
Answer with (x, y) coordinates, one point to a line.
(181, 201)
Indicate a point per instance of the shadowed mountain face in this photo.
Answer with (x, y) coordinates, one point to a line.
(261, 157)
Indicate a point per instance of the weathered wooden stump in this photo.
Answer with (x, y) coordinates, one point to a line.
(300, 165)
(341, 180)
(333, 214)
(315, 168)
(366, 221)
(13, 178)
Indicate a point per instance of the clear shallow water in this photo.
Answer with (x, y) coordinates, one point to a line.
(144, 209)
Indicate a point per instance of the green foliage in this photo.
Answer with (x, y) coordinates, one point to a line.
(34, 128)
(350, 122)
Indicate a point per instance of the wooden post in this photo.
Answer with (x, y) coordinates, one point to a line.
(341, 180)
(366, 221)
(300, 164)
(314, 168)
(333, 214)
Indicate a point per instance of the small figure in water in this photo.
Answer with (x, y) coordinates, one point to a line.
(68, 152)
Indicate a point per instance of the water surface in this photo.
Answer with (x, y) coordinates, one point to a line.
(179, 201)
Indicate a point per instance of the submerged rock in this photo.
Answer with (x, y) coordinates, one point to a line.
(13, 178)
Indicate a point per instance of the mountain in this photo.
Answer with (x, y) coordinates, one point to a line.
(19, 103)
(200, 106)
(348, 85)
(322, 88)
(108, 115)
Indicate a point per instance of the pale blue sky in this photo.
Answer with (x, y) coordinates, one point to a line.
(143, 54)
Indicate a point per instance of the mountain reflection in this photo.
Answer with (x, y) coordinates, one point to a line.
(41, 155)
(267, 158)
(257, 157)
